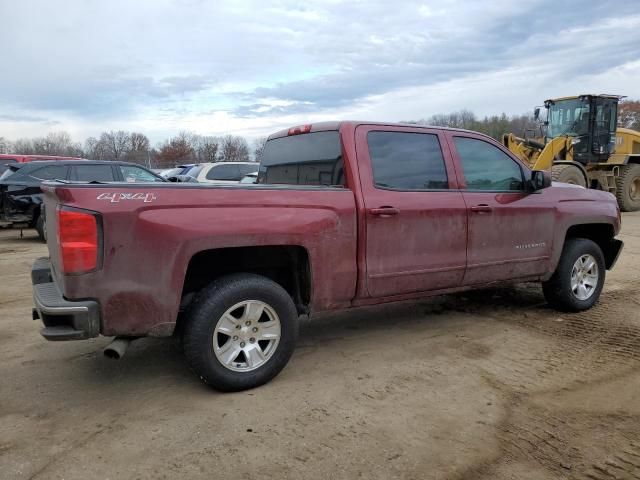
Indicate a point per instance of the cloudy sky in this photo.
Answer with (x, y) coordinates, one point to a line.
(252, 67)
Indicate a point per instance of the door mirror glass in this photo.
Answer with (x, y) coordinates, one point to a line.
(539, 180)
(536, 113)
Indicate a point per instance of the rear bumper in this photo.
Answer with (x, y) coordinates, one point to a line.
(63, 319)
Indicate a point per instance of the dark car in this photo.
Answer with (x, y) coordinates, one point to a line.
(178, 170)
(8, 158)
(21, 196)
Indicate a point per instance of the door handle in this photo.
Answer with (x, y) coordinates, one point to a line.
(482, 208)
(384, 211)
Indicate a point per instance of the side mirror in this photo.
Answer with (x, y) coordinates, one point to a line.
(539, 180)
(536, 113)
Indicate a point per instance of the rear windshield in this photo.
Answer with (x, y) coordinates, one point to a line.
(306, 159)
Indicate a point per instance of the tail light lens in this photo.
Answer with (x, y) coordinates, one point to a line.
(78, 240)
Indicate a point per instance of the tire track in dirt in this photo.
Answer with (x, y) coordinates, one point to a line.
(588, 348)
(598, 341)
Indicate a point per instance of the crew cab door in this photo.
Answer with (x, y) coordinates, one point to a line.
(510, 229)
(416, 222)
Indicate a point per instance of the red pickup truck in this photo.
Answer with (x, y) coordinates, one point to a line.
(344, 214)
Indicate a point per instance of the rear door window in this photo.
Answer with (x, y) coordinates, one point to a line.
(407, 161)
(306, 159)
(92, 173)
(51, 172)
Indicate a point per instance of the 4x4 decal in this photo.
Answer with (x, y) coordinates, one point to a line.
(115, 197)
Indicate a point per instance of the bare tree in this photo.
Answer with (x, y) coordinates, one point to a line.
(234, 149)
(139, 149)
(92, 149)
(23, 146)
(5, 145)
(207, 148)
(139, 142)
(55, 143)
(258, 147)
(494, 125)
(115, 144)
(177, 150)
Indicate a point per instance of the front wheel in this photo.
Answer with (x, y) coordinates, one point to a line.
(578, 280)
(240, 332)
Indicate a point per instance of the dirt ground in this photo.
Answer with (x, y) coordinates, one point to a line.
(484, 385)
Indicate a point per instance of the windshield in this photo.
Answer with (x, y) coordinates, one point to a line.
(568, 117)
(10, 170)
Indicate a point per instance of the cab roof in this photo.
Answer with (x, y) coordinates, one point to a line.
(590, 95)
(335, 125)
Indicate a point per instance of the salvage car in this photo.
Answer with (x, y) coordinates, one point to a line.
(8, 158)
(21, 196)
(344, 214)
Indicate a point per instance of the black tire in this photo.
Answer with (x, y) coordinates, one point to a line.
(209, 306)
(568, 174)
(557, 290)
(41, 228)
(628, 188)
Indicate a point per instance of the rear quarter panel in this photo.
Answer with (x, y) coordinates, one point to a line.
(150, 238)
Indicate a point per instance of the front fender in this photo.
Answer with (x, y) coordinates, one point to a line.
(589, 218)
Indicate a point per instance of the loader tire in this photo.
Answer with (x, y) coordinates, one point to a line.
(568, 174)
(628, 188)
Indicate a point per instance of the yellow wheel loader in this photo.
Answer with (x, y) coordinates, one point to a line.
(580, 144)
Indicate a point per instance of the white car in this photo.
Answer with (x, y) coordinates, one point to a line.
(223, 172)
(250, 178)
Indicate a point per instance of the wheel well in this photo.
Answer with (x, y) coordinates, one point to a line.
(600, 233)
(285, 265)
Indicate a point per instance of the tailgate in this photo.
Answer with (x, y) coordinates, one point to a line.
(50, 203)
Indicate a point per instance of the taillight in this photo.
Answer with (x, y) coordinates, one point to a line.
(299, 130)
(78, 240)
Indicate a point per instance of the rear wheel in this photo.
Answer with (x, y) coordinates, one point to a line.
(568, 174)
(41, 228)
(579, 277)
(628, 188)
(240, 332)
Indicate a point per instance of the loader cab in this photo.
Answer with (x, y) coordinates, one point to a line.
(591, 122)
